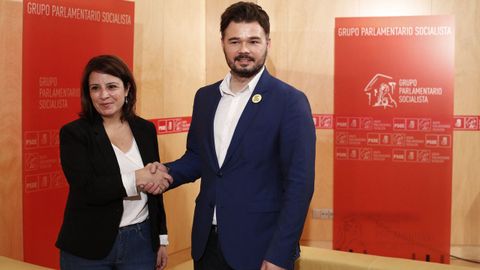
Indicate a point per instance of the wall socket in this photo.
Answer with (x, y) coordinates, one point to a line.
(323, 213)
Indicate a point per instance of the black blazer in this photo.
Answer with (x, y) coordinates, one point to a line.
(95, 199)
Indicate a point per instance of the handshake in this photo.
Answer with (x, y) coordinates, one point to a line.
(153, 178)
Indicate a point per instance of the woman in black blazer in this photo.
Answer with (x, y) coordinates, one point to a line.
(114, 217)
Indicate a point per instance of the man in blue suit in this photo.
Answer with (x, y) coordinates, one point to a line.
(252, 142)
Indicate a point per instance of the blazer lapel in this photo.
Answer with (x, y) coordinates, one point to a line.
(210, 128)
(248, 116)
(104, 144)
(142, 143)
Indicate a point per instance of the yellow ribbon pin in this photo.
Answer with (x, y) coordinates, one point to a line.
(257, 98)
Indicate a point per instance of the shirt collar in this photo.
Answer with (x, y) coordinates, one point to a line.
(225, 84)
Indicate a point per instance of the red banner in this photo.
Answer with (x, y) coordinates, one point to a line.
(393, 136)
(59, 37)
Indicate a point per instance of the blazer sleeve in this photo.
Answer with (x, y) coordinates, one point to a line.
(297, 152)
(86, 169)
(188, 168)
(162, 224)
(161, 207)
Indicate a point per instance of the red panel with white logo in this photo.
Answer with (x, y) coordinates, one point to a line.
(59, 37)
(172, 124)
(393, 136)
(466, 122)
(460, 122)
(323, 121)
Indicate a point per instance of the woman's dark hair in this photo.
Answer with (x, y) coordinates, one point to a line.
(245, 12)
(111, 65)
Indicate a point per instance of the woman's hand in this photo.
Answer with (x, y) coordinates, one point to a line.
(162, 258)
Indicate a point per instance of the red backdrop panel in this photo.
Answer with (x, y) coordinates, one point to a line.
(393, 136)
(59, 37)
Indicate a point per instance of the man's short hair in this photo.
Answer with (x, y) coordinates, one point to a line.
(245, 12)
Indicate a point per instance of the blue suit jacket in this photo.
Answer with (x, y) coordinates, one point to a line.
(264, 187)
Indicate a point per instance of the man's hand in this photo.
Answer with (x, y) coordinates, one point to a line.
(270, 266)
(153, 178)
(157, 166)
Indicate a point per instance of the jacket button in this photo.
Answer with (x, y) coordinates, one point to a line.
(219, 174)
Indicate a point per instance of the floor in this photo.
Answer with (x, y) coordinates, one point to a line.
(464, 251)
(460, 251)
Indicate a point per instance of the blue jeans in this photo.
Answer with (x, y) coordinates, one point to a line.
(132, 250)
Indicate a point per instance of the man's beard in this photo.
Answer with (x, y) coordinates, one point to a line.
(245, 72)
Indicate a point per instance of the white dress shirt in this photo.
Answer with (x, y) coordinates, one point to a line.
(229, 110)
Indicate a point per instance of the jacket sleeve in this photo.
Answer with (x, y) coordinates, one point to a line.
(297, 152)
(188, 168)
(161, 208)
(87, 182)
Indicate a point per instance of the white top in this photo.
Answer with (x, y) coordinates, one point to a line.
(229, 110)
(135, 208)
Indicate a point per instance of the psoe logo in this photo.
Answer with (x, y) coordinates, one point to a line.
(380, 91)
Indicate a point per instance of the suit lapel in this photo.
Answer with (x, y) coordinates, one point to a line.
(248, 116)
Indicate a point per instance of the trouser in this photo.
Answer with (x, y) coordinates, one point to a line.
(212, 257)
(132, 250)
